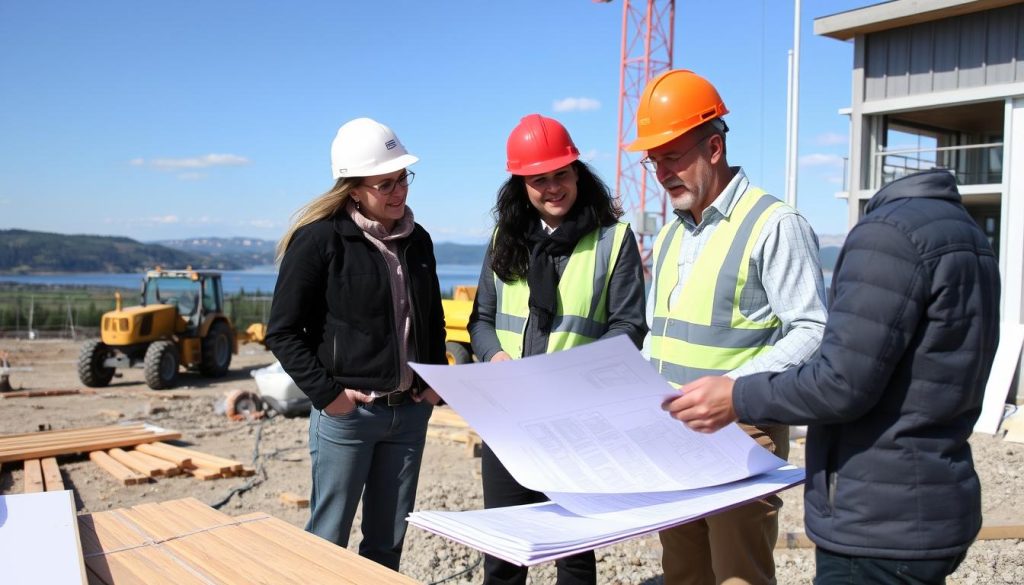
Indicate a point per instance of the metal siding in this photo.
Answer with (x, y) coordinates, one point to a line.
(922, 55)
(1002, 45)
(947, 51)
(972, 50)
(874, 72)
(1019, 35)
(898, 64)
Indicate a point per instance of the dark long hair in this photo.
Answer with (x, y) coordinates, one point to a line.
(514, 217)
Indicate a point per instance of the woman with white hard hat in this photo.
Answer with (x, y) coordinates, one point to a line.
(356, 300)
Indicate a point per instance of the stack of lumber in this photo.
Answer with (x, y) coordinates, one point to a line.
(185, 541)
(158, 459)
(20, 447)
(446, 424)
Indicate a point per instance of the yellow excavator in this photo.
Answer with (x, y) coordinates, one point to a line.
(181, 322)
(456, 320)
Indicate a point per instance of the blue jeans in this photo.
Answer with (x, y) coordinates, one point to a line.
(834, 569)
(373, 452)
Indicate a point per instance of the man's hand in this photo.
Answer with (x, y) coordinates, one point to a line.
(501, 356)
(429, 395)
(705, 405)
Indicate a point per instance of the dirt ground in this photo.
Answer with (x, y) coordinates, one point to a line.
(450, 477)
(189, 409)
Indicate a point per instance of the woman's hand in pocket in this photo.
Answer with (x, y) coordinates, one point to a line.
(346, 402)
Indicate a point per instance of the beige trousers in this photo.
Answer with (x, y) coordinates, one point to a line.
(735, 547)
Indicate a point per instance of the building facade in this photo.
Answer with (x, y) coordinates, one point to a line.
(941, 84)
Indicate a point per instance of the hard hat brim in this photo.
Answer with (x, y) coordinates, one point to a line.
(539, 168)
(396, 164)
(645, 143)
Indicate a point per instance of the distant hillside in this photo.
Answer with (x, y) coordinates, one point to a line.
(23, 251)
(828, 255)
(449, 253)
(246, 252)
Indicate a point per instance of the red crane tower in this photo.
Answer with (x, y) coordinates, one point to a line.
(647, 37)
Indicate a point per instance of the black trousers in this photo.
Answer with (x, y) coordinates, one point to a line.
(834, 568)
(500, 490)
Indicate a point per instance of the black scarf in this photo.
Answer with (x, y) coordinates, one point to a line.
(542, 276)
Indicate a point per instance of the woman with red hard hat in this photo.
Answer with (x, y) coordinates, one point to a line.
(561, 271)
(356, 300)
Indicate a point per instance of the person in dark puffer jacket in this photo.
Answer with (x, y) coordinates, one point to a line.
(890, 401)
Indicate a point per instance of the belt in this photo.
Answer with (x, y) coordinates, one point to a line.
(394, 398)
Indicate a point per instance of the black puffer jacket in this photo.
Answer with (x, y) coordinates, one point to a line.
(894, 393)
(332, 320)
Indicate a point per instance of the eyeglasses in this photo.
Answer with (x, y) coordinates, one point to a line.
(671, 160)
(388, 186)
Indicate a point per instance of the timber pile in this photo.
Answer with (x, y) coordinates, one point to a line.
(158, 459)
(20, 447)
(185, 541)
(42, 476)
(446, 424)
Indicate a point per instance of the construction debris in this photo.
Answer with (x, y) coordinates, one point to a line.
(446, 424)
(294, 499)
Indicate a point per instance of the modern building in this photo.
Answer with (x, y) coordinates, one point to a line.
(940, 83)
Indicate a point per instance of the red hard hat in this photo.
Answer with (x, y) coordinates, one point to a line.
(539, 145)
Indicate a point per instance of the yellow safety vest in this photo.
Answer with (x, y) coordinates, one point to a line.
(705, 333)
(581, 315)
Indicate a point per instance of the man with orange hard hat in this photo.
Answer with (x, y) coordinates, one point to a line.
(736, 289)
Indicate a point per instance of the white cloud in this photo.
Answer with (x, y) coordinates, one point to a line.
(821, 160)
(197, 162)
(260, 223)
(192, 176)
(574, 104)
(830, 139)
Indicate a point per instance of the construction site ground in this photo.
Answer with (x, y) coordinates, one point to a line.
(450, 477)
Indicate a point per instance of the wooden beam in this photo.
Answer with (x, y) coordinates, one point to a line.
(53, 443)
(33, 477)
(990, 530)
(117, 470)
(199, 459)
(181, 460)
(293, 499)
(51, 475)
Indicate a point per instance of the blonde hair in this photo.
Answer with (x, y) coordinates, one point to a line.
(322, 207)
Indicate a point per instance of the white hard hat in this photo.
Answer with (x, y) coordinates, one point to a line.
(365, 147)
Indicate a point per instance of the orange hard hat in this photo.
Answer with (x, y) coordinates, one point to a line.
(674, 103)
(539, 145)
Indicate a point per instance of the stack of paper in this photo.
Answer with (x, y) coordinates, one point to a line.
(585, 427)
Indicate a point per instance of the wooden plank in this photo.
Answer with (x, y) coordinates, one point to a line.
(990, 530)
(51, 475)
(202, 473)
(117, 470)
(300, 542)
(132, 552)
(181, 460)
(65, 432)
(40, 393)
(207, 459)
(33, 477)
(294, 499)
(163, 466)
(132, 462)
(203, 548)
(86, 446)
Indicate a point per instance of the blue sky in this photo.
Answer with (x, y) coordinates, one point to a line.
(158, 120)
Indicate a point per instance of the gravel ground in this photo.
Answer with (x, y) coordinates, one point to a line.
(450, 479)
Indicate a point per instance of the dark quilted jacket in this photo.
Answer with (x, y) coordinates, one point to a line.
(897, 386)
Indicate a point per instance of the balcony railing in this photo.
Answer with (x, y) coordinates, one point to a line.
(972, 164)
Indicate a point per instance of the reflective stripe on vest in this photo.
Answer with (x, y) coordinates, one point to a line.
(581, 314)
(705, 333)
